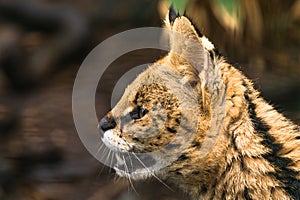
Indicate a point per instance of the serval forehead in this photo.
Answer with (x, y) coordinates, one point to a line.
(154, 74)
(158, 74)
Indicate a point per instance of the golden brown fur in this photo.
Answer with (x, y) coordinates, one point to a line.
(257, 154)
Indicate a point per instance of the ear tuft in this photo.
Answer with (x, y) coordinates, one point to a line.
(173, 14)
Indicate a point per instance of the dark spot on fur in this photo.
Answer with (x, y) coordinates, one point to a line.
(297, 137)
(285, 175)
(223, 195)
(169, 116)
(158, 137)
(195, 172)
(178, 173)
(211, 54)
(182, 157)
(203, 188)
(217, 180)
(243, 166)
(234, 143)
(246, 86)
(246, 194)
(137, 140)
(171, 130)
(196, 144)
(272, 190)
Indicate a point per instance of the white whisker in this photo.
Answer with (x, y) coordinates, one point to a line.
(131, 163)
(128, 176)
(100, 148)
(110, 159)
(152, 174)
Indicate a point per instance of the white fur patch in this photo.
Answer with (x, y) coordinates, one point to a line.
(128, 110)
(114, 142)
(207, 44)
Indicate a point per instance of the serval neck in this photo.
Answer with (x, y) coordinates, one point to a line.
(249, 146)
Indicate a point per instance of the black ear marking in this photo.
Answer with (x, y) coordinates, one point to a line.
(173, 14)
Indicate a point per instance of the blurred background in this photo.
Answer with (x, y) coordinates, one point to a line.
(42, 44)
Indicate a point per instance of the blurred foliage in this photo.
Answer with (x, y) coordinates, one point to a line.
(260, 37)
(179, 5)
(229, 5)
(228, 12)
(251, 31)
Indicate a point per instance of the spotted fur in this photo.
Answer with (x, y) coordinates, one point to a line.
(257, 153)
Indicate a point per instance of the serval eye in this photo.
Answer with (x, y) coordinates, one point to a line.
(138, 113)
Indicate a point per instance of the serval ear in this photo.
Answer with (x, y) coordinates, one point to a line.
(190, 49)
